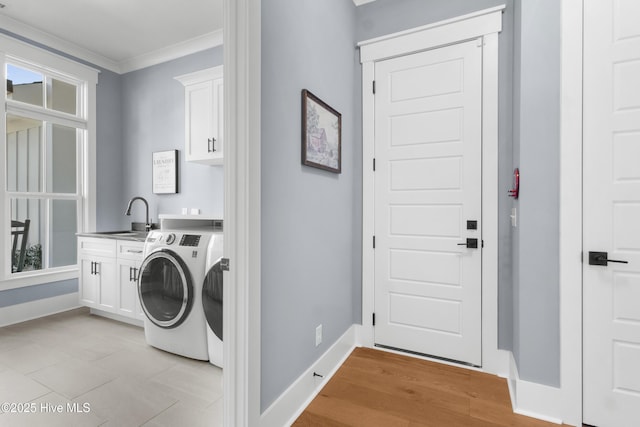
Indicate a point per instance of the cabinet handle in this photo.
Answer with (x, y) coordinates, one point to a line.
(96, 269)
(131, 251)
(135, 274)
(130, 273)
(211, 145)
(92, 263)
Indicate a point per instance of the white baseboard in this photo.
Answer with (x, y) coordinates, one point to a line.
(118, 317)
(38, 308)
(288, 407)
(532, 399)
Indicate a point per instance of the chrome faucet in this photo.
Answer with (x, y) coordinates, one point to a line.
(147, 224)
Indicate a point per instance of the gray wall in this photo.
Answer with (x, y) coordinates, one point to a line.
(310, 218)
(153, 120)
(536, 244)
(388, 16)
(37, 292)
(109, 151)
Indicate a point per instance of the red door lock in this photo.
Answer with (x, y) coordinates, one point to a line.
(515, 191)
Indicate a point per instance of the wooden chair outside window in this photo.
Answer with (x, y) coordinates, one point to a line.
(19, 230)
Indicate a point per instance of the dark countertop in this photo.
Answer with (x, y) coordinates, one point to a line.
(138, 236)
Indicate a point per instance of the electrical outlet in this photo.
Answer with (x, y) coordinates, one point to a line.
(318, 335)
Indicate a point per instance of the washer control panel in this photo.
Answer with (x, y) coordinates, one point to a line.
(190, 240)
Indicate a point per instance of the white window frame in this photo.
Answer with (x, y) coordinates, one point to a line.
(86, 78)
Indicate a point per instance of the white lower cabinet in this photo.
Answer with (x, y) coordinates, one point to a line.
(129, 261)
(109, 270)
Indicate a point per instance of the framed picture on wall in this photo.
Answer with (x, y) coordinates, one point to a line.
(165, 172)
(321, 134)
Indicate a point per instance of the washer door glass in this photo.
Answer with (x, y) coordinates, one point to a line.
(165, 289)
(212, 299)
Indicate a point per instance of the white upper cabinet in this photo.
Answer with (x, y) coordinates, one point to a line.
(203, 95)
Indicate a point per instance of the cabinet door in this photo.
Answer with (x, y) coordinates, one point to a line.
(128, 288)
(204, 115)
(88, 283)
(200, 140)
(105, 274)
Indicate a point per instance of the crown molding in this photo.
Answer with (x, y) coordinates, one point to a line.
(175, 51)
(14, 28)
(17, 28)
(360, 2)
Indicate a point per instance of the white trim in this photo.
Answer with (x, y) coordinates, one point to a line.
(28, 278)
(57, 43)
(38, 308)
(368, 204)
(199, 77)
(441, 33)
(13, 50)
(47, 60)
(295, 399)
(117, 317)
(241, 374)
(491, 360)
(168, 53)
(571, 210)
(532, 399)
(407, 42)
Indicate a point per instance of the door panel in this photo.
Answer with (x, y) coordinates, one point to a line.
(611, 312)
(427, 185)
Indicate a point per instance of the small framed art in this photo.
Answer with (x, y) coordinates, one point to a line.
(165, 172)
(321, 134)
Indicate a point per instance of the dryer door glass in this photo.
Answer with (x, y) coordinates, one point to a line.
(165, 288)
(212, 299)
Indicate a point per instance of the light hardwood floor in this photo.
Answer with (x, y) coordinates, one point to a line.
(99, 372)
(376, 388)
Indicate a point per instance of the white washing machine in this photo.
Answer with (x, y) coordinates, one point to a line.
(212, 299)
(170, 289)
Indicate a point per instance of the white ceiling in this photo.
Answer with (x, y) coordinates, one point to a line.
(119, 35)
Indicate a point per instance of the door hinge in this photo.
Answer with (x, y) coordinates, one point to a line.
(374, 164)
(224, 264)
(374, 319)
(374, 242)
(374, 87)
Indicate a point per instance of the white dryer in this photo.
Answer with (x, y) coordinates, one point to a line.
(212, 299)
(170, 289)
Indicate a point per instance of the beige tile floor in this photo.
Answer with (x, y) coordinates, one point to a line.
(77, 369)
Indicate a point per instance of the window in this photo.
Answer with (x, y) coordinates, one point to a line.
(49, 156)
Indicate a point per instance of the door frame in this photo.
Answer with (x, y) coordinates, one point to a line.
(485, 24)
(241, 323)
(571, 169)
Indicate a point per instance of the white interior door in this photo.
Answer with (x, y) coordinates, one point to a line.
(611, 312)
(428, 202)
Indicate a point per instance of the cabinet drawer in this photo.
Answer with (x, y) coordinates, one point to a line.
(96, 247)
(130, 250)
